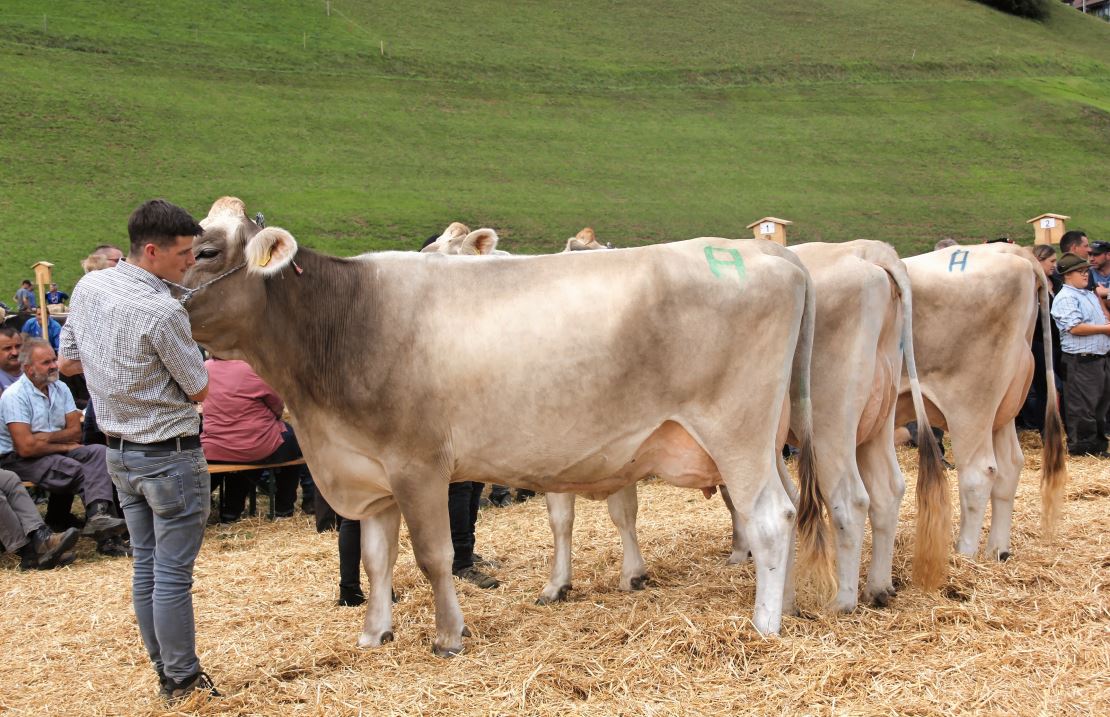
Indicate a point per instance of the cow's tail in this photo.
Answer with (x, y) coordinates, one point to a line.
(933, 534)
(1054, 470)
(814, 544)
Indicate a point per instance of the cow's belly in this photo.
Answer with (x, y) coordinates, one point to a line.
(669, 453)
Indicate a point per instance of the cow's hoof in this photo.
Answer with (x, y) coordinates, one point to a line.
(366, 641)
(1004, 556)
(882, 598)
(640, 582)
(738, 558)
(559, 596)
(446, 651)
(466, 631)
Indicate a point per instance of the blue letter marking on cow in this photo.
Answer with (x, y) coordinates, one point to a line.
(735, 261)
(959, 258)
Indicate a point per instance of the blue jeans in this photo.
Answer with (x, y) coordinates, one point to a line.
(165, 500)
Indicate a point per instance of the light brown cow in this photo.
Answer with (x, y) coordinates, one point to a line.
(451, 368)
(973, 317)
(863, 325)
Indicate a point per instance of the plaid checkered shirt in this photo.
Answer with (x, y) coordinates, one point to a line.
(140, 361)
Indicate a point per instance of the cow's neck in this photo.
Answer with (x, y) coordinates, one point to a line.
(311, 339)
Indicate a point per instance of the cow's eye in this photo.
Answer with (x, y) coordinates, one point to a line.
(208, 253)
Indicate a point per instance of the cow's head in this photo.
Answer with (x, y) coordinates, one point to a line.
(234, 258)
(458, 239)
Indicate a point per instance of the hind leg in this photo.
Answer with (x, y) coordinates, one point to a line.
(379, 554)
(622, 509)
(560, 515)
(1007, 449)
(769, 526)
(847, 500)
(740, 551)
(885, 485)
(977, 470)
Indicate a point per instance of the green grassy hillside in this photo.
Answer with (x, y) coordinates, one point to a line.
(649, 120)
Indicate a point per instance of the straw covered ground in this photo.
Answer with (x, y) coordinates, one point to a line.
(1029, 636)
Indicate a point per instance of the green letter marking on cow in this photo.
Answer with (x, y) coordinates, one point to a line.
(716, 265)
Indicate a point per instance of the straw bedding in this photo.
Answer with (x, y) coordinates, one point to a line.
(1029, 636)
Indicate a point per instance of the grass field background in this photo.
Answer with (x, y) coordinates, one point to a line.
(376, 125)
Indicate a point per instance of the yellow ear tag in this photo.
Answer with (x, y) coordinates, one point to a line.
(265, 259)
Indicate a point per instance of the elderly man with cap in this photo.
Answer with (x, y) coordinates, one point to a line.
(1085, 340)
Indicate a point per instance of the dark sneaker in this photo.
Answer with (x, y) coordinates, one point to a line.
(174, 691)
(114, 547)
(476, 576)
(100, 524)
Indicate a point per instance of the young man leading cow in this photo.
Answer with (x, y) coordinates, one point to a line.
(133, 342)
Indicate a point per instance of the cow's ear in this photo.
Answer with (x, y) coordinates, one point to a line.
(481, 241)
(455, 230)
(269, 251)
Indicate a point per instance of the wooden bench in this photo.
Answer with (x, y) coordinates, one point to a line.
(217, 471)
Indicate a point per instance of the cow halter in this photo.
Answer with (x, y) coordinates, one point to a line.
(187, 293)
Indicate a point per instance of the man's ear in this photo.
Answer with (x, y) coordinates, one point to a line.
(269, 251)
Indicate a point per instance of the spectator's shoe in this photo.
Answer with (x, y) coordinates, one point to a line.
(308, 506)
(476, 576)
(100, 523)
(174, 691)
(523, 494)
(114, 547)
(500, 500)
(47, 549)
(350, 598)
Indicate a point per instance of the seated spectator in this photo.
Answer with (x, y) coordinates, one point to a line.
(242, 424)
(22, 530)
(56, 297)
(39, 428)
(11, 341)
(33, 328)
(1085, 341)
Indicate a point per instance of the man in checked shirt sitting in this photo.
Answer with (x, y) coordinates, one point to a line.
(1085, 340)
(133, 342)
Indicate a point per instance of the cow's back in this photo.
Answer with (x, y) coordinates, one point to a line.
(973, 314)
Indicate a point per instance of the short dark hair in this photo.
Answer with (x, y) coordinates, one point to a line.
(1070, 240)
(25, 281)
(10, 331)
(159, 222)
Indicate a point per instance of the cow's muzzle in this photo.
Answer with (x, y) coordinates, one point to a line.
(187, 293)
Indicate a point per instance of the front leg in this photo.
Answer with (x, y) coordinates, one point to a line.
(622, 509)
(379, 554)
(560, 514)
(423, 503)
